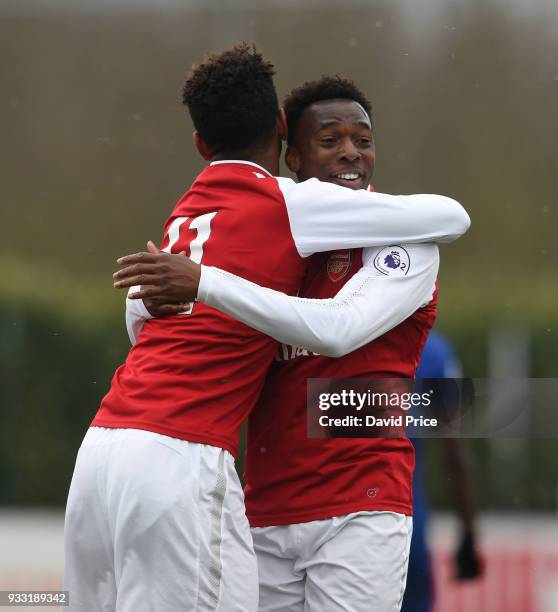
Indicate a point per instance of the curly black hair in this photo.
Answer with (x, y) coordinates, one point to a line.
(232, 99)
(326, 88)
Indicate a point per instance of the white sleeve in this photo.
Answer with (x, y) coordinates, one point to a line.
(327, 217)
(375, 300)
(136, 315)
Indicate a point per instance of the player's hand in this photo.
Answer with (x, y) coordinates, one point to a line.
(468, 564)
(156, 308)
(167, 279)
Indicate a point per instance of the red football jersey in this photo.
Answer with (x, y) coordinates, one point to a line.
(196, 376)
(291, 478)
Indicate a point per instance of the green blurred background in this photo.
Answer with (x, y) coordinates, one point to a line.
(97, 149)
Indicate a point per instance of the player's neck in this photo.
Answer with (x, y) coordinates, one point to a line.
(267, 159)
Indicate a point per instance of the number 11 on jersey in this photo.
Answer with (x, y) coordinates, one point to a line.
(202, 226)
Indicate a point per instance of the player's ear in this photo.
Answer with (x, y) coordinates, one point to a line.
(202, 147)
(282, 124)
(292, 159)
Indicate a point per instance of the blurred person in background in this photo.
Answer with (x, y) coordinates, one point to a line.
(440, 361)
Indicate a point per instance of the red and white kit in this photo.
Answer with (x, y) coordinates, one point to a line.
(191, 379)
(295, 484)
(320, 479)
(317, 478)
(262, 229)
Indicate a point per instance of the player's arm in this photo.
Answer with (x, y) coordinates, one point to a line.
(325, 217)
(467, 560)
(369, 305)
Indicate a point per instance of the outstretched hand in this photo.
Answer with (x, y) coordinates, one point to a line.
(166, 280)
(468, 563)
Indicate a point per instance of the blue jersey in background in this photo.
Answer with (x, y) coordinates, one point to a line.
(438, 361)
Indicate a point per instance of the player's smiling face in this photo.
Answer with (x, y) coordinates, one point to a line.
(334, 143)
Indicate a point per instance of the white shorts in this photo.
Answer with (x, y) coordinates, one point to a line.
(156, 524)
(352, 563)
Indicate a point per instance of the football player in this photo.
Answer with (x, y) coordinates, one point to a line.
(310, 501)
(155, 516)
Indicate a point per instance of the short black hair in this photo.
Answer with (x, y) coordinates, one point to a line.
(326, 88)
(232, 99)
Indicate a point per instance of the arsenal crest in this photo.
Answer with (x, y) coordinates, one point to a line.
(339, 264)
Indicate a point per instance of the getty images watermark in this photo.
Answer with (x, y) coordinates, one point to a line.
(376, 401)
(432, 408)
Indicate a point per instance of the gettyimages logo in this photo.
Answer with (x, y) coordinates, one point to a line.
(380, 399)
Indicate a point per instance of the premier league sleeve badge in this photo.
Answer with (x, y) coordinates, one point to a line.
(393, 261)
